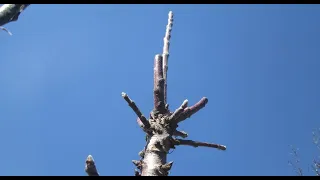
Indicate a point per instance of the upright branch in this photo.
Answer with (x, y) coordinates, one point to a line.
(158, 85)
(90, 167)
(161, 127)
(165, 52)
(10, 13)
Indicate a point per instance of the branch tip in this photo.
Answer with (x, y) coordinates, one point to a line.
(90, 158)
(123, 94)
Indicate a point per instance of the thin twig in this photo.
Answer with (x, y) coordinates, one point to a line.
(198, 144)
(5, 29)
(134, 107)
(90, 168)
(189, 111)
(165, 54)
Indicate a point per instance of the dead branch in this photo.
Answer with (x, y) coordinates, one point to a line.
(158, 87)
(10, 13)
(165, 53)
(198, 144)
(189, 111)
(134, 107)
(90, 168)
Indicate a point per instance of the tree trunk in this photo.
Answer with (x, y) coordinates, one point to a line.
(161, 128)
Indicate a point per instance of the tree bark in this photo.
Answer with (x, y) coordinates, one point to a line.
(10, 13)
(161, 127)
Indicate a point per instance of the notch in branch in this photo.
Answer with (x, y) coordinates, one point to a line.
(165, 53)
(158, 85)
(90, 168)
(198, 144)
(144, 122)
(189, 111)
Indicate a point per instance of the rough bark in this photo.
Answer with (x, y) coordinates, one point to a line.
(161, 127)
(10, 13)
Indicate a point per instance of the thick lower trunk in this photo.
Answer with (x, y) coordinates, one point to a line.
(155, 156)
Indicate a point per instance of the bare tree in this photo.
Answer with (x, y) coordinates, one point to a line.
(10, 13)
(295, 162)
(161, 127)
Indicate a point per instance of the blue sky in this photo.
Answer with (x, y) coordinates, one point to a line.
(63, 70)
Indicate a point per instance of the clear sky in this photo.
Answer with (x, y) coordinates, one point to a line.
(63, 70)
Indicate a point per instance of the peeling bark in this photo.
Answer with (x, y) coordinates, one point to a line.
(10, 13)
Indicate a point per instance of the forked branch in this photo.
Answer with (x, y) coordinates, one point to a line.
(177, 113)
(189, 111)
